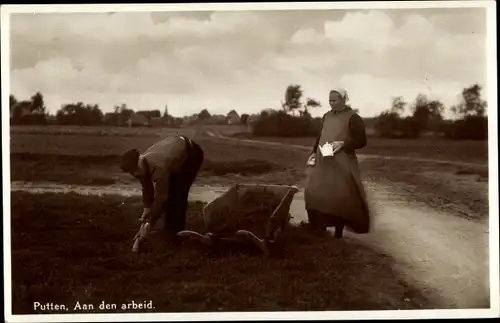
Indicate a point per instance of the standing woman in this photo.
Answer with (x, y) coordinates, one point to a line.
(334, 194)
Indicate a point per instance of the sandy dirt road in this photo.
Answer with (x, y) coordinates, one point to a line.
(443, 254)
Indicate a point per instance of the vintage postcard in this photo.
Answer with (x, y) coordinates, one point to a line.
(250, 161)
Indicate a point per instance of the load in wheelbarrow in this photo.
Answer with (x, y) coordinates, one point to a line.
(246, 213)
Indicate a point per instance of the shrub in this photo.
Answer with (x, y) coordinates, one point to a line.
(281, 124)
(471, 127)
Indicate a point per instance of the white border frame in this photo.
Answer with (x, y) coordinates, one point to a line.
(494, 311)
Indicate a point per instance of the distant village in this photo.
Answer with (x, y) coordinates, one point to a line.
(33, 111)
(155, 119)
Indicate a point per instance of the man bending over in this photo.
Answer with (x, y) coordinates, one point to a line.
(166, 171)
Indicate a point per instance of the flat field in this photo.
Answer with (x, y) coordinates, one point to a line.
(69, 248)
(469, 151)
(92, 158)
(89, 157)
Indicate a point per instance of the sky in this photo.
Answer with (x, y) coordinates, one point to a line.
(244, 60)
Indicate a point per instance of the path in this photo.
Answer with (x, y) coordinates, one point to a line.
(436, 250)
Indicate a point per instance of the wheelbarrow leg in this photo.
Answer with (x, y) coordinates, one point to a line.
(339, 229)
(204, 239)
(261, 244)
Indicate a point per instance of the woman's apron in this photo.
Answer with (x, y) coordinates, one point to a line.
(334, 184)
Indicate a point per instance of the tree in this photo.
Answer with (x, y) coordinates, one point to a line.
(436, 110)
(293, 95)
(37, 103)
(310, 103)
(398, 105)
(31, 111)
(427, 114)
(421, 113)
(244, 119)
(471, 102)
(472, 122)
(204, 115)
(19, 112)
(232, 114)
(233, 117)
(12, 102)
(281, 124)
(79, 114)
(387, 124)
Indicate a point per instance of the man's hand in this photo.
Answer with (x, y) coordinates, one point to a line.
(144, 230)
(312, 160)
(141, 235)
(144, 215)
(337, 146)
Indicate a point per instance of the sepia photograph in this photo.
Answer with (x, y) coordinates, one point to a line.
(250, 161)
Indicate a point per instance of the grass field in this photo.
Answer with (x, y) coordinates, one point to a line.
(68, 248)
(114, 140)
(461, 190)
(100, 131)
(93, 159)
(428, 147)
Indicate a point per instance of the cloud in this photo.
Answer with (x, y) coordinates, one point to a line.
(366, 31)
(244, 60)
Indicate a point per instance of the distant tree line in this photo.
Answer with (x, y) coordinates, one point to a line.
(34, 111)
(426, 117)
(292, 120)
(470, 122)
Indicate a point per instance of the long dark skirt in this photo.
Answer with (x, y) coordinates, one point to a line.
(320, 221)
(334, 193)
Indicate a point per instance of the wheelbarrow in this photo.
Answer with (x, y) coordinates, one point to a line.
(274, 225)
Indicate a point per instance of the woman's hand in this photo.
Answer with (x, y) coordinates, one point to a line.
(312, 160)
(337, 146)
